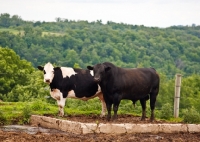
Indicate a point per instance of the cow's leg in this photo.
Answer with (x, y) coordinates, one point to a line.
(116, 103)
(143, 104)
(61, 105)
(115, 109)
(153, 96)
(103, 105)
(108, 105)
(57, 95)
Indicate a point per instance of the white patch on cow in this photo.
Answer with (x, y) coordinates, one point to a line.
(91, 72)
(99, 89)
(55, 93)
(67, 71)
(49, 72)
(71, 94)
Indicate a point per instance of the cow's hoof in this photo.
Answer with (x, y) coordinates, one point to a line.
(114, 118)
(151, 120)
(102, 115)
(108, 118)
(60, 114)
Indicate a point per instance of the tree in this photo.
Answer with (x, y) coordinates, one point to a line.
(5, 20)
(34, 88)
(71, 58)
(13, 70)
(16, 20)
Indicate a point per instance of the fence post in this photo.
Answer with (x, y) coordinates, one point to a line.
(177, 95)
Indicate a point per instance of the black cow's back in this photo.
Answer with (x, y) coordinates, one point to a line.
(132, 84)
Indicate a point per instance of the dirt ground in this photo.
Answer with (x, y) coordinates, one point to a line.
(125, 118)
(70, 137)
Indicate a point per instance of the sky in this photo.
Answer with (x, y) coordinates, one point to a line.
(150, 13)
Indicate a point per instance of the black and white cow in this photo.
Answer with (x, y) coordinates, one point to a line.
(121, 83)
(66, 82)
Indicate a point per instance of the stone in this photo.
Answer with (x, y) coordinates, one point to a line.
(193, 128)
(112, 128)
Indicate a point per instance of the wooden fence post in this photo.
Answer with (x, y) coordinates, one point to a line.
(177, 95)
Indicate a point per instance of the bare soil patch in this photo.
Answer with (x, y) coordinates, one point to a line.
(69, 137)
(125, 118)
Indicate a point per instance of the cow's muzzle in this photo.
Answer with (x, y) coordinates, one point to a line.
(47, 80)
(97, 80)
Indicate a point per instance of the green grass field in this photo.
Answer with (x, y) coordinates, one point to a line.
(20, 112)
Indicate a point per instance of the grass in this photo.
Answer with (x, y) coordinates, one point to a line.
(15, 32)
(20, 112)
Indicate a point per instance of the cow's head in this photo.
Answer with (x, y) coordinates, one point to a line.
(48, 70)
(99, 71)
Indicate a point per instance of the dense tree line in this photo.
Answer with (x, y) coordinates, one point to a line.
(169, 50)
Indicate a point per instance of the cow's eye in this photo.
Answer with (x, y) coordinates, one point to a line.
(44, 72)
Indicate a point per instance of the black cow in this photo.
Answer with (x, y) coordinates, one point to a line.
(121, 83)
(66, 82)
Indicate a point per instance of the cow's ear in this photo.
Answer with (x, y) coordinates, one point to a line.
(40, 68)
(90, 67)
(107, 68)
(56, 68)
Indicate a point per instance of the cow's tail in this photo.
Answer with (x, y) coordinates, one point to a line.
(134, 103)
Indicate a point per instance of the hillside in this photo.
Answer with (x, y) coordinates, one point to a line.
(169, 50)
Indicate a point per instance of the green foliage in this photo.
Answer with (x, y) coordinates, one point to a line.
(14, 71)
(35, 88)
(76, 106)
(26, 113)
(190, 92)
(166, 91)
(2, 119)
(19, 112)
(77, 66)
(169, 50)
(18, 80)
(166, 111)
(191, 115)
(6, 20)
(39, 105)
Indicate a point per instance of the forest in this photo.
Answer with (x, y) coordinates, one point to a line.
(26, 44)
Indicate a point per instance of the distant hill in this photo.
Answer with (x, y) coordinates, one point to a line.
(169, 50)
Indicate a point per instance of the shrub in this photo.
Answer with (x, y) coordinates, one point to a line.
(191, 115)
(166, 111)
(26, 113)
(2, 118)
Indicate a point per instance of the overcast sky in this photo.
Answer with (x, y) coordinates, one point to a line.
(156, 13)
